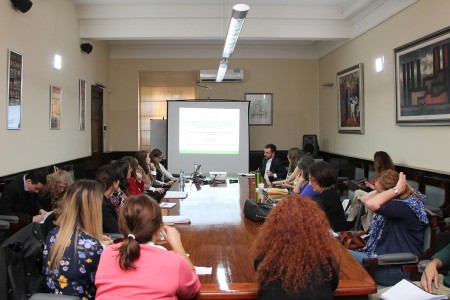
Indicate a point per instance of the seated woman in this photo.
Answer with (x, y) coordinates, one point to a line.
(302, 186)
(72, 250)
(381, 162)
(146, 270)
(298, 259)
(135, 183)
(163, 177)
(107, 177)
(293, 155)
(322, 177)
(123, 173)
(148, 171)
(57, 184)
(398, 224)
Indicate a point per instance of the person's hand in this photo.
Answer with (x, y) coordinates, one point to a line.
(401, 183)
(269, 173)
(160, 190)
(169, 183)
(42, 212)
(429, 275)
(369, 185)
(106, 241)
(152, 166)
(38, 218)
(172, 236)
(138, 176)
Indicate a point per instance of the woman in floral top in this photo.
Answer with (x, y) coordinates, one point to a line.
(72, 250)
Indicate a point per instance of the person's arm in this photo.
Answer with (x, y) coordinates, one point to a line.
(172, 236)
(299, 184)
(109, 216)
(294, 175)
(376, 200)
(166, 173)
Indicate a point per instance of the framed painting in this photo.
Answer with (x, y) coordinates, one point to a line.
(55, 107)
(15, 73)
(82, 104)
(351, 100)
(422, 80)
(261, 108)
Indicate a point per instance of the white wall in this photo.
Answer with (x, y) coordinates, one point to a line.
(49, 27)
(424, 147)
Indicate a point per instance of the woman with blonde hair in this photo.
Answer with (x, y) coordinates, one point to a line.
(146, 270)
(72, 250)
(397, 226)
(57, 184)
(298, 259)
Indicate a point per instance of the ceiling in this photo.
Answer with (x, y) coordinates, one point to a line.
(197, 28)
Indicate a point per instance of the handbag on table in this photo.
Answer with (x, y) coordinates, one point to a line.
(256, 211)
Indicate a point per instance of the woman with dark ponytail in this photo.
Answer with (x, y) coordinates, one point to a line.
(146, 270)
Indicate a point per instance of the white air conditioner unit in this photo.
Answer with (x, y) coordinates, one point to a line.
(231, 75)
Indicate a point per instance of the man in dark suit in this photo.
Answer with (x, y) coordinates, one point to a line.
(20, 197)
(272, 166)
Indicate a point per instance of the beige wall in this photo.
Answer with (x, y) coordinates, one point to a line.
(49, 27)
(424, 147)
(293, 83)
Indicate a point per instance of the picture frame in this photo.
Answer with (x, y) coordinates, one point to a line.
(261, 108)
(55, 107)
(422, 80)
(82, 104)
(350, 84)
(15, 85)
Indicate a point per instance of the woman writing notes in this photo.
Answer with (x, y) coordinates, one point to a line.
(298, 259)
(146, 270)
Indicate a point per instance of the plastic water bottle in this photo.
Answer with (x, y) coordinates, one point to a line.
(182, 179)
(195, 167)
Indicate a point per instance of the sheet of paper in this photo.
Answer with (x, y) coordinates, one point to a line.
(407, 290)
(167, 204)
(45, 216)
(203, 270)
(176, 219)
(175, 195)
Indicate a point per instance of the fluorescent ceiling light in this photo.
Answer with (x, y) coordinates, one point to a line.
(222, 69)
(237, 20)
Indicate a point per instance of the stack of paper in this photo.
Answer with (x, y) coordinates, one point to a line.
(175, 195)
(167, 204)
(407, 290)
(176, 219)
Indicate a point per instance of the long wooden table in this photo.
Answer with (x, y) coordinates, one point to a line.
(220, 237)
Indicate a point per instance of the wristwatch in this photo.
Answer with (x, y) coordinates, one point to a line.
(395, 191)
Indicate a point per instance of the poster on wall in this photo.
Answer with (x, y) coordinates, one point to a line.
(15, 73)
(351, 100)
(422, 80)
(55, 107)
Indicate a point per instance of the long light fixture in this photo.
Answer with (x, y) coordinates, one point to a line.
(237, 20)
(222, 70)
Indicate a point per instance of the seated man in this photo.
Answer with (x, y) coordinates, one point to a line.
(430, 277)
(272, 166)
(20, 197)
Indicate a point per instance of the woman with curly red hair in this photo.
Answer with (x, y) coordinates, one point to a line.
(296, 255)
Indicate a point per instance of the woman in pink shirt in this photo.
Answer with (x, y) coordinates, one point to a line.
(139, 269)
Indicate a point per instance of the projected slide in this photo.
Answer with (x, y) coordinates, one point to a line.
(208, 131)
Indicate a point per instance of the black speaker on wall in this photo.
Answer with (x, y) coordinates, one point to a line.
(310, 144)
(86, 48)
(22, 5)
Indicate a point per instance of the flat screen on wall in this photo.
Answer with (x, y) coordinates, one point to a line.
(212, 133)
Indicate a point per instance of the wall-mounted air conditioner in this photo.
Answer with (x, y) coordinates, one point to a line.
(231, 75)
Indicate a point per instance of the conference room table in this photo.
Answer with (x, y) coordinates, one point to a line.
(220, 237)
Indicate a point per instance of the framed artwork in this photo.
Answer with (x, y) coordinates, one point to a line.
(15, 72)
(261, 108)
(82, 104)
(351, 100)
(422, 80)
(55, 107)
